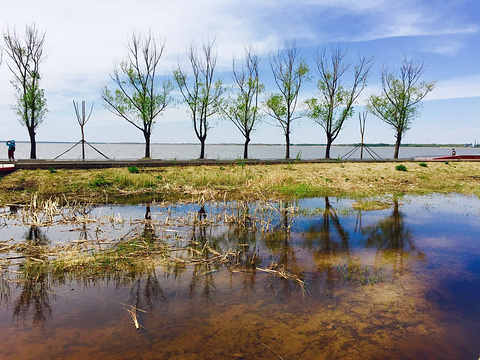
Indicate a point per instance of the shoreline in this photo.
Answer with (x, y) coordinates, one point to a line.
(40, 164)
(256, 144)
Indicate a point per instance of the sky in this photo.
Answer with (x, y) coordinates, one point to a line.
(84, 41)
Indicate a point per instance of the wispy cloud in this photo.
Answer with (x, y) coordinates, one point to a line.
(465, 87)
(446, 48)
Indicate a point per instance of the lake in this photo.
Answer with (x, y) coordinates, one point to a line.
(223, 152)
(310, 279)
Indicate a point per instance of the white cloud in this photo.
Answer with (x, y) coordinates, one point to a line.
(446, 48)
(466, 87)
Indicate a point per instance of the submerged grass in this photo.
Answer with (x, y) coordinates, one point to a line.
(174, 241)
(248, 182)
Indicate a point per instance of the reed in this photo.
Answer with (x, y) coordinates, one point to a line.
(164, 241)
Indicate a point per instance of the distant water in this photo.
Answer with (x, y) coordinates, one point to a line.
(48, 151)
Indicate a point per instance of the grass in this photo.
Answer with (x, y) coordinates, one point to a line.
(240, 182)
(353, 271)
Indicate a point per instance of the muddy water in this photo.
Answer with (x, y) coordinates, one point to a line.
(399, 283)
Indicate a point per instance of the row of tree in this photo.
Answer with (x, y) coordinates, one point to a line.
(139, 97)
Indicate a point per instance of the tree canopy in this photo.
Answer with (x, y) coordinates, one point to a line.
(138, 97)
(400, 100)
(26, 55)
(333, 103)
(200, 92)
(243, 109)
(289, 72)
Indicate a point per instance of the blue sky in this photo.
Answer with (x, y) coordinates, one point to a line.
(84, 41)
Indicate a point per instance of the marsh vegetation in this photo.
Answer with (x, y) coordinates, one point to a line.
(240, 182)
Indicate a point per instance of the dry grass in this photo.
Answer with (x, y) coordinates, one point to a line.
(168, 240)
(250, 182)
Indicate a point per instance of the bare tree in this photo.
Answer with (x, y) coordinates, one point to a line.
(399, 102)
(82, 119)
(289, 72)
(362, 118)
(334, 102)
(26, 55)
(202, 93)
(243, 109)
(138, 98)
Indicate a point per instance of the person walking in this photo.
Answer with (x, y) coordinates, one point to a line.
(11, 150)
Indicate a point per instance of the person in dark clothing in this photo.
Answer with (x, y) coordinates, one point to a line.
(11, 149)
(454, 152)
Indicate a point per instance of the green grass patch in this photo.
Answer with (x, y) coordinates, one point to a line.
(100, 181)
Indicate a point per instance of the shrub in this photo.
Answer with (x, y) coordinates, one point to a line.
(52, 170)
(133, 170)
(422, 164)
(401, 167)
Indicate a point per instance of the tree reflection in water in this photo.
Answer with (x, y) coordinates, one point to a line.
(34, 294)
(36, 235)
(34, 282)
(328, 240)
(328, 237)
(5, 290)
(145, 288)
(205, 246)
(393, 238)
(283, 253)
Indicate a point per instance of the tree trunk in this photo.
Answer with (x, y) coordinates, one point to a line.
(202, 148)
(397, 145)
(327, 149)
(287, 145)
(147, 135)
(245, 148)
(33, 143)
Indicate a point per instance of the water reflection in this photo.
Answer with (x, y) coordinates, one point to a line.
(207, 246)
(13, 209)
(145, 290)
(328, 235)
(234, 287)
(5, 290)
(393, 238)
(34, 298)
(36, 236)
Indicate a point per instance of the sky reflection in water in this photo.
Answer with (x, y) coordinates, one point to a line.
(396, 283)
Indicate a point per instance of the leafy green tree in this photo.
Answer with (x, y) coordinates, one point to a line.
(138, 97)
(26, 55)
(334, 102)
(243, 109)
(289, 72)
(399, 102)
(201, 92)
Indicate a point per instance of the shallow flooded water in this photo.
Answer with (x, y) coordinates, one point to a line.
(315, 279)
